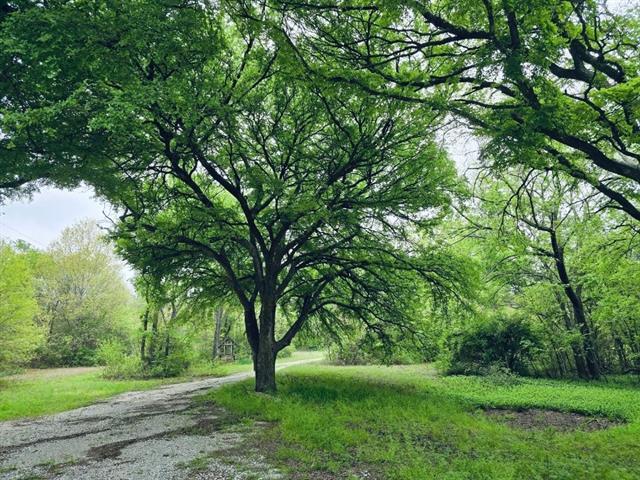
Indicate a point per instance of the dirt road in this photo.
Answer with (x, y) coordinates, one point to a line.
(156, 434)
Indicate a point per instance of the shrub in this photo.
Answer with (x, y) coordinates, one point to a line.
(127, 367)
(118, 364)
(172, 365)
(109, 352)
(491, 345)
(369, 350)
(64, 351)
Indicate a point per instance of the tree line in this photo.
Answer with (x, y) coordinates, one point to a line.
(58, 305)
(69, 305)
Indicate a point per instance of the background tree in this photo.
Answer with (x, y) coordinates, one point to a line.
(82, 296)
(542, 205)
(19, 332)
(541, 248)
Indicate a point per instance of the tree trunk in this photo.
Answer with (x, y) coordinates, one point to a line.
(578, 353)
(265, 368)
(151, 351)
(167, 341)
(219, 315)
(622, 358)
(593, 367)
(143, 341)
(264, 359)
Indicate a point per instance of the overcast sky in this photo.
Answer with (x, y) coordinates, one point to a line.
(41, 220)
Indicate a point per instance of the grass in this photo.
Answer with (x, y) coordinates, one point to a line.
(404, 423)
(38, 394)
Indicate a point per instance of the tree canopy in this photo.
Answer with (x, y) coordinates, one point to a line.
(235, 172)
(552, 85)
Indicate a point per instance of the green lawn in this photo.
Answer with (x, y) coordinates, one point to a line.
(42, 395)
(403, 423)
(37, 393)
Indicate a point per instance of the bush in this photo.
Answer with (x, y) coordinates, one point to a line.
(348, 353)
(369, 350)
(118, 364)
(64, 351)
(127, 367)
(172, 365)
(109, 352)
(493, 345)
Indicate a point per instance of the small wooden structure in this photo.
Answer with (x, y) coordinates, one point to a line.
(227, 349)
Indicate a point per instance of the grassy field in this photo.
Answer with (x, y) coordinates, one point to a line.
(40, 392)
(27, 397)
(404, 423)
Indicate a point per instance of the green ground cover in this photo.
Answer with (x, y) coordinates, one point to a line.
(38, 396)
(406, 423)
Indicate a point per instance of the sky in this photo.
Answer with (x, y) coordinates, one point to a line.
(40, 220)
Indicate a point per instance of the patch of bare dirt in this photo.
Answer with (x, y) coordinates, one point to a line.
(535, 418)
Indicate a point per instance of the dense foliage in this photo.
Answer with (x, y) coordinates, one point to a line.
(282, 161)
(57, 306)
(19, 332)
(548, 85)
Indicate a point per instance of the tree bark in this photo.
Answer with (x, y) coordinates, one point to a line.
(265, 368)
(264, 361)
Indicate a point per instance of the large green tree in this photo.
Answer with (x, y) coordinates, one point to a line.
(235, 173)
(298, 201)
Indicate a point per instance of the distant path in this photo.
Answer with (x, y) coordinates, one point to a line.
(37, 373)
(137, 435)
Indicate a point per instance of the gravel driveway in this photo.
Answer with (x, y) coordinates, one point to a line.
(156, 434)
